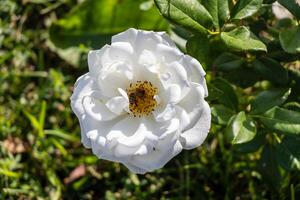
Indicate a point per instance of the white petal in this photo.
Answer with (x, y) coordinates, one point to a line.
(167, 54)
(121, 51)
(194, 98)
(123, 151)
(123, 93)
(195, 71)
(84, 139)
(167, 40)
(128, 131)
(195, 136)
(149, 61)
(117, 67)
(184, 118)
(135, 169)
(98, 148)
(169, 127)
(157, 159)
(143, 149)
(147, 40)
(194, 64)
(84, 85)
(126, 36)
(77, 107)
(96, 109)
(175, 74)
(96, 132)
(174, 94)
(165, 114)
(125, 96)
(96, 58)
(102, 127)
(177, 71)
(117, 104)
(149, 73)
(281, 12)
(111, 83)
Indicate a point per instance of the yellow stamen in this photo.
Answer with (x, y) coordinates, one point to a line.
(141, 98)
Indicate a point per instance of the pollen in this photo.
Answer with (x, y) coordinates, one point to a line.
(141, 98)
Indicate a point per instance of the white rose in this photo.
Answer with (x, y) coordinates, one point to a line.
(142, 101)
(281, 12)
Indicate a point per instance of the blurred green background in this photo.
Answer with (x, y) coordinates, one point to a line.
(43, 49)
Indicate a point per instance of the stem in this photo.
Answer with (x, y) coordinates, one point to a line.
(213, 32)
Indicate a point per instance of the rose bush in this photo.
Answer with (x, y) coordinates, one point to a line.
(142, 101)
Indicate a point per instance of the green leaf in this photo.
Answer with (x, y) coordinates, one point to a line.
(245, 8)
(42, 117)
(187, 13)
(214, 93)
(9, 173)
(241, 39)
(290, 39)
(243, 77)
(220, 114)
(229, 97)
(198, 47)
(228, 61)
(60, 147)
(219, 10)
(284, 23)
(33, 120)
(282, 121)
(292, 5)
(269, 166)
(253, 145)
(271, 70)
(61, 134)
(94, 22)
(241, 129)
(268, 99)
(295, 106)
(288, 153)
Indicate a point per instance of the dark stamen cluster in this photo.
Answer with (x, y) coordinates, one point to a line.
(141, 98)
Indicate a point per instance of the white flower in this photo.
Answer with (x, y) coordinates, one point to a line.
(281, 12)
(142, 101)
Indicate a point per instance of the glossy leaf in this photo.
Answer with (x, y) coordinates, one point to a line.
(282, 120)
(241, 129)
(198, 47)
(295, 106)
(187, 13)
(228, 61)
(245, 8)
(94, 22)
(221, 114)
(253, 145)
(268, 99)
(292, 5)
(288, 153)
(228, 98)
(271, 70)
(219, 10)
(290, 39)
(241, 39)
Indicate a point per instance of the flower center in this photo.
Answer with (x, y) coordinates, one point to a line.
(141, 98)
